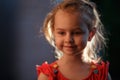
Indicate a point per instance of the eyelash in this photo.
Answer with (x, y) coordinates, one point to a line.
(73, 33)
(78, 32)
(61, 33)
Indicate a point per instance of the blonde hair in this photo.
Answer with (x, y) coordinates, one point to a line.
(92, 20)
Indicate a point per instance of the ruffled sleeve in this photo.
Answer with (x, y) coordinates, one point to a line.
(100, 71)
(103, 70)
(46, 69)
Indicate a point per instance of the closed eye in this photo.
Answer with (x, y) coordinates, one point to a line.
(78, 32)
(61, 33)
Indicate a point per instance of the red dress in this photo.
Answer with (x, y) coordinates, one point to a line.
(97, 72)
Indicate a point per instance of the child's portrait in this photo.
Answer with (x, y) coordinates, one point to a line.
(59, 40)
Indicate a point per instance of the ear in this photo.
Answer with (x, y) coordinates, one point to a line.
(91, 34)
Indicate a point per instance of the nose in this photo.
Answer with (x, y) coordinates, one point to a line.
(69, 38)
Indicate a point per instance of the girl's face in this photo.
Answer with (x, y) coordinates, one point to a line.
(70, 32)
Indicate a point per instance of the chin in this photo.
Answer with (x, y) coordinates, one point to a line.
(71, 53)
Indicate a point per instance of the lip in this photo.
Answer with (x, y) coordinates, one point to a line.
(69, 46)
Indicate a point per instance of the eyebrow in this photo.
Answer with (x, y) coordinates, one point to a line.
(64, 29)
(59, 29)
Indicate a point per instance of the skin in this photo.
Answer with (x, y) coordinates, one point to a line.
(71, 37)
(71, 33)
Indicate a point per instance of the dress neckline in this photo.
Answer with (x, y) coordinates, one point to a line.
(92, 68)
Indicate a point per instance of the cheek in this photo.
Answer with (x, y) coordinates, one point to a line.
(58, 42)
(82, 41)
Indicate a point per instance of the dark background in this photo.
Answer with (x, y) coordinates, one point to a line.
(21, 46)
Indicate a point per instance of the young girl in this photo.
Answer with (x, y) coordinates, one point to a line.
(74, 29)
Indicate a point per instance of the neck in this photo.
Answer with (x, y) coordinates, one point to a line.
(71, 60)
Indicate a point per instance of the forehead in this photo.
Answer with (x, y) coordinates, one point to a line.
(64, 17)
(63, 11)
(68, 20)
(77, 15)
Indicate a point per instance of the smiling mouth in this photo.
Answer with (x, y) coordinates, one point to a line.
(70, 47)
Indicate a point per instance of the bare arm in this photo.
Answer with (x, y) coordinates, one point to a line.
(42, 77)
(109, 77)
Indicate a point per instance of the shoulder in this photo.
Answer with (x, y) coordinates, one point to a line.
(45, 71)
(102, 64)
(42, 68)
(102, 70)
